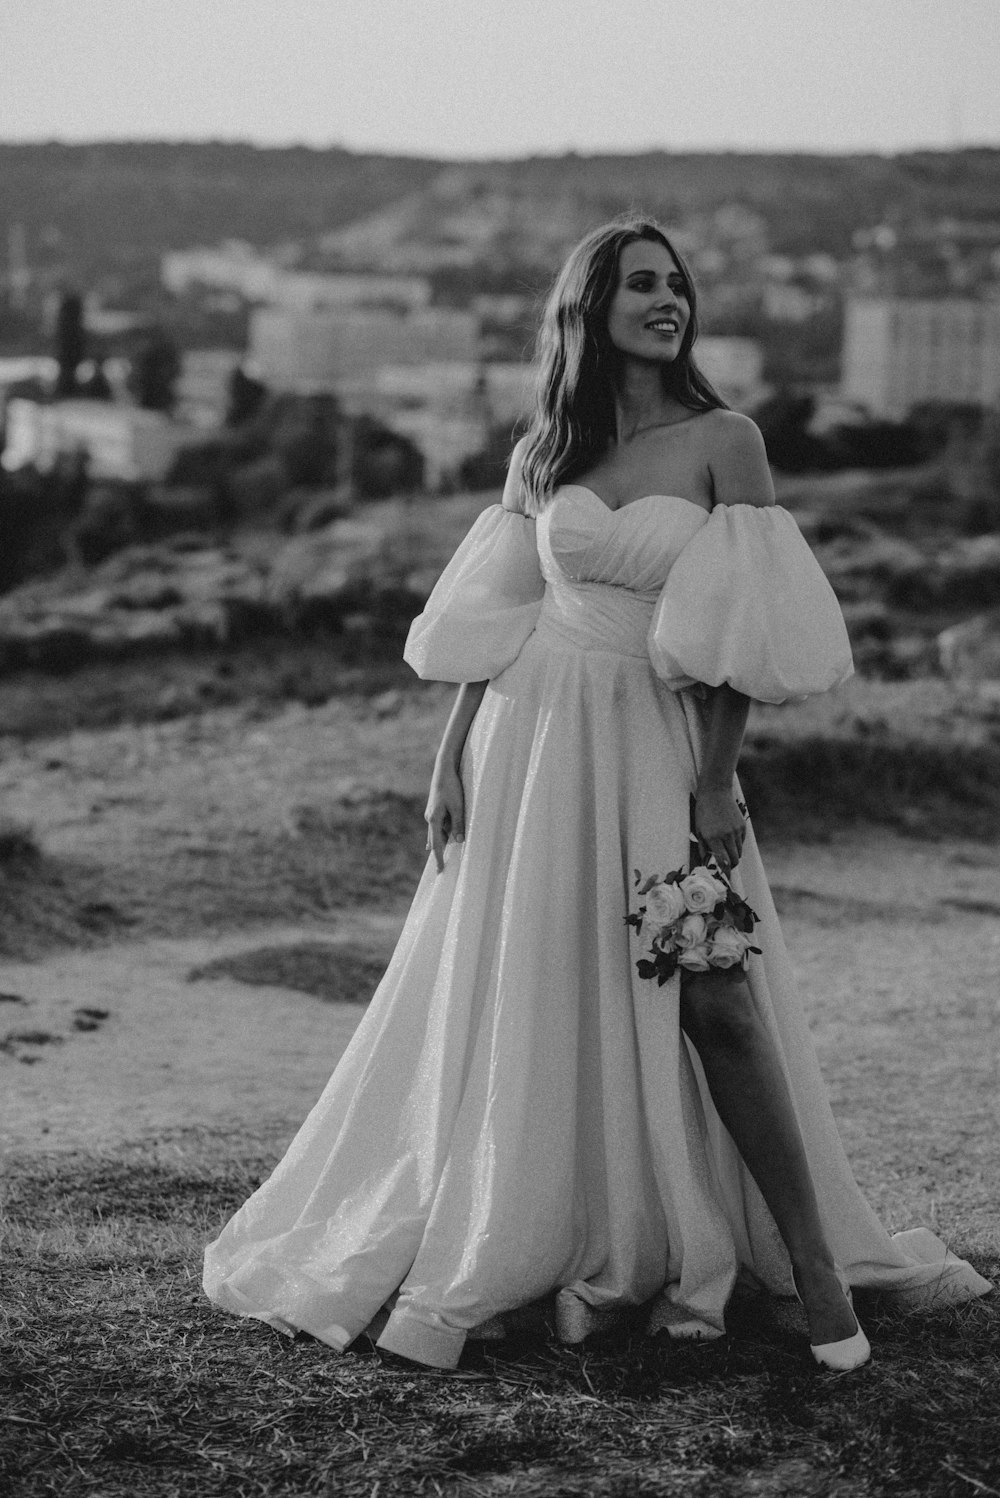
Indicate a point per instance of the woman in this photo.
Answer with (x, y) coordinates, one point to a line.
(519, 1114)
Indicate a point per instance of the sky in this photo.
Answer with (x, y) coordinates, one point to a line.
(466, 79)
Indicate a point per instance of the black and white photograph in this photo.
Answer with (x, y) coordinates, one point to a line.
(499, 749)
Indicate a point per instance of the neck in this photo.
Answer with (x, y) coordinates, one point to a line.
(640, 400)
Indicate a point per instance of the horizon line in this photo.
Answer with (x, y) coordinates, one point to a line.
(553, 154)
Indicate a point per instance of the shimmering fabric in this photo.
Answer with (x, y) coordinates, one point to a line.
(748, 604)
(483, 606)
(518, 1113)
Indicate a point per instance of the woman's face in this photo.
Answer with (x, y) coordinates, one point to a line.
(649, 310)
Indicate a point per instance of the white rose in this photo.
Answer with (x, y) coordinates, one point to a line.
(695, 959)
(664, 904)
(692, 933)
(728, 947)
(702, 891)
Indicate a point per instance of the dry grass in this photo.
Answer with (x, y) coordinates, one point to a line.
(48, 902)
(337, 973)
(276, 812)
(119, 1379)
(335, 856)
(369, 849)
(805, 786)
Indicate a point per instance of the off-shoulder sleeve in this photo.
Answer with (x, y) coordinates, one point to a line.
(484, 605)
(747, 603)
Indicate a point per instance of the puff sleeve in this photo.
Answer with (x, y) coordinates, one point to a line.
(484, 605)
(747, 603)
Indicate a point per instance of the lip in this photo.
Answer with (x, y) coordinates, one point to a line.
(654, 325)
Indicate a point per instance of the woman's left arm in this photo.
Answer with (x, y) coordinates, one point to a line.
(740, 475)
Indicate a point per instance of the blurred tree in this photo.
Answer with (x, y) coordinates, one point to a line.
(487, 468)
(876, 444)
(303, 431)
(70, 342)
(245, 397)
(155, 369)
(96, 386)
(783, 421)
(384, 462)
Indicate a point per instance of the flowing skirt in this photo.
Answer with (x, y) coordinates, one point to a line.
(518, 1113)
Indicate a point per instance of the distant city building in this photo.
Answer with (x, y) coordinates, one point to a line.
(232, 266)
(734, 366)
(333, 350)
(510, 390)
(202, 388)
(40, 367)
(111, 322)
(317, 291)
(444, 439)
(786, 301)
(121, 442)
(899, 353)
(449, 410)
(502, 307)
(503, 392)
(239, 269)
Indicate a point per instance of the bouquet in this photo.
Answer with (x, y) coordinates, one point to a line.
(694, 920)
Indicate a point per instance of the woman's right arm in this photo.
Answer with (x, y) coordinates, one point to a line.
(445, 813)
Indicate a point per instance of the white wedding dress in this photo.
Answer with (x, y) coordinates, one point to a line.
(518, 1113)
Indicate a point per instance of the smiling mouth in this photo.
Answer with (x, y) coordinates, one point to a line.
(664, 325)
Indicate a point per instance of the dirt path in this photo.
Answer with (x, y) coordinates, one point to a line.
(119, 1044)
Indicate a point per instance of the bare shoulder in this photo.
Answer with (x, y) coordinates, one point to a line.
(737, 460)
(729, 432)
(512, 487)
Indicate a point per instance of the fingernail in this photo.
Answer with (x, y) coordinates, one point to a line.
(460, 837)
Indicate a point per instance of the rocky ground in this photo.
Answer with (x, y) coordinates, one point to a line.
(919, 594)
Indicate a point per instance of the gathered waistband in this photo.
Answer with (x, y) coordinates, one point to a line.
(596, 616)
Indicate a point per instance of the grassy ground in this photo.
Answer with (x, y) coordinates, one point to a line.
(303, 793)
(118, 1378)
(147, 804)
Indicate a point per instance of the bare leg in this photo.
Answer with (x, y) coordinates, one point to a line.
(751, 1095)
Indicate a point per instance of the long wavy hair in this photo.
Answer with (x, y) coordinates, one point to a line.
(574, 417)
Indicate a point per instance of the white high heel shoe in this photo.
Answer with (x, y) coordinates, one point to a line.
(849, 1352)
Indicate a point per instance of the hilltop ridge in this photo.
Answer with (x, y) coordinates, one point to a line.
(519, 212)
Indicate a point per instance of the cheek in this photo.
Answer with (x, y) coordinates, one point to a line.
(624, 318)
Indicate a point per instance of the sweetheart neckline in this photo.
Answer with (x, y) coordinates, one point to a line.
(641, 500)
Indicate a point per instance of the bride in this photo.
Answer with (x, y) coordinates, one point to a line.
(519, 1115)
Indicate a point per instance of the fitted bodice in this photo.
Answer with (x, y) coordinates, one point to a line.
(604, 568)
(733, 595)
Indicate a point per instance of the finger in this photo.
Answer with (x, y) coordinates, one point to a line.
(720, 852)
(438, 840)
(437, 837)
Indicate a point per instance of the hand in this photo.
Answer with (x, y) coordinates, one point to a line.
(721, 825)
(445, 812)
